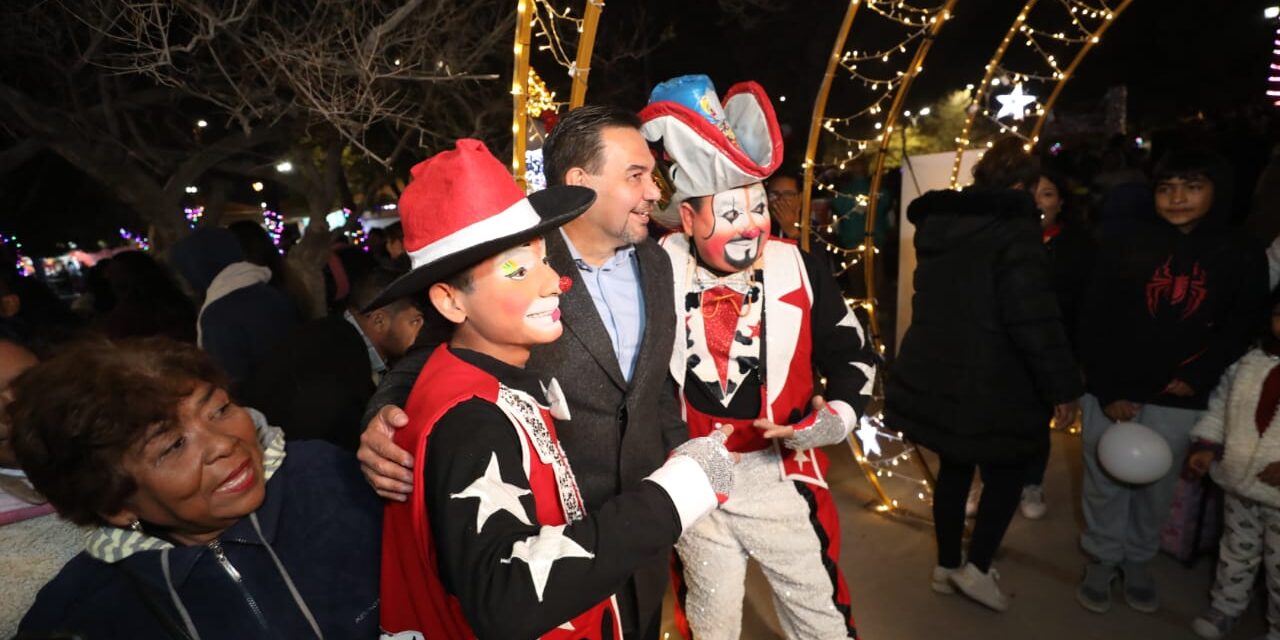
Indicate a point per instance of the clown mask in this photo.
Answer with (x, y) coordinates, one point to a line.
(729, 229)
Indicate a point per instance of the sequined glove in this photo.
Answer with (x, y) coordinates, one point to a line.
(822, 427)
(716, 461)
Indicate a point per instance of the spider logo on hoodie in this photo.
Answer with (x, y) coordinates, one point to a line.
(1185, 290)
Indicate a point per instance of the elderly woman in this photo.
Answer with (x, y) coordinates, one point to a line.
(206, 526)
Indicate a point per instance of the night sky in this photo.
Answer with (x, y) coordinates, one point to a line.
(1176, 57)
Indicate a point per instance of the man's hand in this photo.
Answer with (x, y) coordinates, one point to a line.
(1198, 463)
(820, 428)
(1122, 410)
(1271, 474)
(387, 467)
(1064, 414)
(1179, 388)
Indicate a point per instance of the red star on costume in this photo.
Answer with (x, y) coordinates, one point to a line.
(755, 330)
(796, 298)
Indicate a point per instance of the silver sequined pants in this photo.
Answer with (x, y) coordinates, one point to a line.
(768, 519)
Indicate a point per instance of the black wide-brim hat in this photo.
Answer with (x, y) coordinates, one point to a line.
(463, 207)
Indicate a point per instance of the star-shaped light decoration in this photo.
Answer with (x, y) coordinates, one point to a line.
(494, 495)
(867, 433)
(1015, 103)
(541, 551)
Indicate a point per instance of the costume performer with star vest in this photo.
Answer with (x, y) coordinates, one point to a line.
(494, 541)
(755, 317)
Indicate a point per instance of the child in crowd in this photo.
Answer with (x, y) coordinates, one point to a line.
(1171, 304)
(1239, 431)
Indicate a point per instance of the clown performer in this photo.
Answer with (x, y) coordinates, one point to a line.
(756, 316)
(494, 541)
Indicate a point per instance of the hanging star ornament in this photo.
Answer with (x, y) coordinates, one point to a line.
(867, 433)
(541, 551)
(1014, 103)
(494, 495)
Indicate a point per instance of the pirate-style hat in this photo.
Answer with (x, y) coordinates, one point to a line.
(462, 206)
(712, 148)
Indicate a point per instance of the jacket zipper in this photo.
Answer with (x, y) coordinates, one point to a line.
(216, 548)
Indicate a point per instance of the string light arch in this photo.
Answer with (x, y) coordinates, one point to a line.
(530, 96)
(1077, 27)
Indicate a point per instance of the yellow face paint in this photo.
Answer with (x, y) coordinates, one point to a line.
(509, 267)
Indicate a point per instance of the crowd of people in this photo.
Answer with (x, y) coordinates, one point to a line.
(531, 415)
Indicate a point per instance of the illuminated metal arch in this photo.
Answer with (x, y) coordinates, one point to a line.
(981, 91)
(520, 73)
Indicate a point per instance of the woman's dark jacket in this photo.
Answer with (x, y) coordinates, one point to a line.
(986, 356)
(319, 516)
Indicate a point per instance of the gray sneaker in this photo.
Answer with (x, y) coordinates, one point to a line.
(1094, 592)
(1139, 587)
(1213, 624)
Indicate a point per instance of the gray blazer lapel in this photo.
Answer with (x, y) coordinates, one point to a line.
(657, 297)
(578, 312)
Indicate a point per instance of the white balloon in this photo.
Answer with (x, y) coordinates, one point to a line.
(1133, 453)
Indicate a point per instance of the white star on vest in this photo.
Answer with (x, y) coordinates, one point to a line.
(494, 495)
(541, 551)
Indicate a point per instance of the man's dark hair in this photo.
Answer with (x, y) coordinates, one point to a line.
(1005, 165)
(369, 285)
(77, 415)
(576, 140)
(395, 231)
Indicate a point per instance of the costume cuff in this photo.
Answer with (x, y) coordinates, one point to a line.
(847, 415)
(688, 487)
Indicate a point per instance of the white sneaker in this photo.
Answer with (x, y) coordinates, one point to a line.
(941, 581)
(1032, 506)
(975, 496)
(980, 586)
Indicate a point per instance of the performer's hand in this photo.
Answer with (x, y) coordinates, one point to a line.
(1179, 388)
(386, 467)
(1121, 410)
(1271, 474)
(822, 427)
(716, 461)
(1198, 464)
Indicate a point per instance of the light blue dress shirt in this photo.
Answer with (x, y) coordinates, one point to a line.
(619, 298)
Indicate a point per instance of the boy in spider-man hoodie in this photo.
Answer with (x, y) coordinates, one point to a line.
(1171, 305)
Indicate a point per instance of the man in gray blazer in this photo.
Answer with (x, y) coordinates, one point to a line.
(611, 362)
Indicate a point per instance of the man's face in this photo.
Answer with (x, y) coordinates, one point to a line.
(784, 204)
(1183, 203)
(512, 304)
(14, 360)
(625, 190)
(730, 228)
(395, 327)
(395, 247)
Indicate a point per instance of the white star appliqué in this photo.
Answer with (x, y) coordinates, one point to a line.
(867, 433)
(851, 320)
(541, 551)
(494, 495)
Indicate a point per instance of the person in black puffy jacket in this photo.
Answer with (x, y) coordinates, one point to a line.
(986, 362)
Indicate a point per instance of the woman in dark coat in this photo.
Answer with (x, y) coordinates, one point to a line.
(986, 362)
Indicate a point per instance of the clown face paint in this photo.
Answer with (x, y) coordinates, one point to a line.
(513, 304)
(730, 230)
